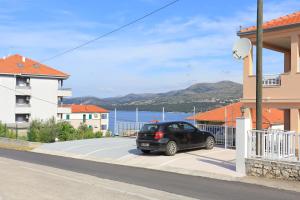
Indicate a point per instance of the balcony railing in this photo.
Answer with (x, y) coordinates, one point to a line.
(64, 92)
(274, 145)
(271, 80)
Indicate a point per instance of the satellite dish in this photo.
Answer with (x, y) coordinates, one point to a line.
(241, 48)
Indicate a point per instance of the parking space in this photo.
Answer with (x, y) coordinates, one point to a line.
(123, 151)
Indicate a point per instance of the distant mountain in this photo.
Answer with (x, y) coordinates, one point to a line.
(202, 95)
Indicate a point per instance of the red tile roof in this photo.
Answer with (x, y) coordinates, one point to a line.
(270, 116)
(86, 109)
(279, 22)
(16, 65)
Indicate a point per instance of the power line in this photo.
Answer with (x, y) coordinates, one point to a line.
(110, 32)
(91, 41)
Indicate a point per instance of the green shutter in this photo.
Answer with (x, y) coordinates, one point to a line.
(90, 116)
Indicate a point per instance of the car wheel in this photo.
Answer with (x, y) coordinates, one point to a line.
(171, 148)
(210, 142)
(145, 151)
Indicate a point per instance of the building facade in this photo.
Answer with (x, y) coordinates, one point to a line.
(30, 90)
(93, 116)
(280, 91)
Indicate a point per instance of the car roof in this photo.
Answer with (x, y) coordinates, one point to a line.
(166, 123)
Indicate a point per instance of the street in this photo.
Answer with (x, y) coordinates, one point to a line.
(183, 185)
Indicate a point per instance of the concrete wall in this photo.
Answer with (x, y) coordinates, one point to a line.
(273, 169)
(45, 89)
(7, 99)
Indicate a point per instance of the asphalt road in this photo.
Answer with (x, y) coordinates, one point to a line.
(190, 186)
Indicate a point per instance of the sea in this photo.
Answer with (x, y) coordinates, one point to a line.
(145, 116)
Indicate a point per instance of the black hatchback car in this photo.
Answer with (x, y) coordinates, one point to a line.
(170, 137)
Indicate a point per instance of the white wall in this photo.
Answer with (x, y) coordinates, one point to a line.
(45, 89)
(96, 122)
(7, 99)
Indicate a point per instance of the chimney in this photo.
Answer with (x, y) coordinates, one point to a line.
(23, 59)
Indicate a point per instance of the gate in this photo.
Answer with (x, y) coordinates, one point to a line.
(224, 135)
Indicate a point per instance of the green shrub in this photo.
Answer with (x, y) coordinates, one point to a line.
(84, 132)
(34, 130)
(40, 131)
(65, 131)
(47, 131)
(108, 134)
(98, 134)
(5, 132)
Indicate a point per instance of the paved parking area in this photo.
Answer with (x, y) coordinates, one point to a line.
(216, 162)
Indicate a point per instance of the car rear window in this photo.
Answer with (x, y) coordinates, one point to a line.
(149, 128)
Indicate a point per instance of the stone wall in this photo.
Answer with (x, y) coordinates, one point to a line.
(273, 169)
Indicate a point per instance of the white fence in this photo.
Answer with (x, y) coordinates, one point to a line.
(274, 145)
(224, 135)
(128, 129)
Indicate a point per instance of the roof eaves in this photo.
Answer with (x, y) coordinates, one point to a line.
(277, 28)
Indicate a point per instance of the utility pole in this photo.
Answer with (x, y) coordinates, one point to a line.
(259, 48)
(115, 123)
(194, 116)
(137, 115)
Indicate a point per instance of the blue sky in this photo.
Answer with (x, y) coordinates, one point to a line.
(186, 43)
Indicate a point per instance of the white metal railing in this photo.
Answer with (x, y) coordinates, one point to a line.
(125, 128)
(221, 134)
(274, 145)
(271, 80)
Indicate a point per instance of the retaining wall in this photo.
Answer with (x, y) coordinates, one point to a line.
(273, 169)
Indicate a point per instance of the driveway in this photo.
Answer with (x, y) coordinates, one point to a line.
(217, 162)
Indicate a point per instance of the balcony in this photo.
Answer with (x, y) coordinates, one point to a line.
(63, 109)
(23, 90)
(22, 108)
(64, 92)
(271, 80)
(280, 89)
(22, 118)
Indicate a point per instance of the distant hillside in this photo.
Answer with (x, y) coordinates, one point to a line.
(202, 95)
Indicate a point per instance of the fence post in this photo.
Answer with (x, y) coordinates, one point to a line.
(243, 125)
(17, 130)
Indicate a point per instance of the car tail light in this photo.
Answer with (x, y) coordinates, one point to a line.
(158, 135)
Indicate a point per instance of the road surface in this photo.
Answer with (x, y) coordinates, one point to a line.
(189, 186)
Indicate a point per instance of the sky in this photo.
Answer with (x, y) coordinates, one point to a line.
(187, 43)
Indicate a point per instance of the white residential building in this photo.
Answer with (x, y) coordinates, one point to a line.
(30, 90)
(93, 116)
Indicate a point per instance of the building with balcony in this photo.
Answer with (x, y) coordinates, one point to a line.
(279, 91)
(93, 116)
(30, 90)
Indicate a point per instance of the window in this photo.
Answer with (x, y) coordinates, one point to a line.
(103, 127)
(187, 127)
(174, 127)
(150, 128)
(103, 116)
(68, 117)
(90, 116)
